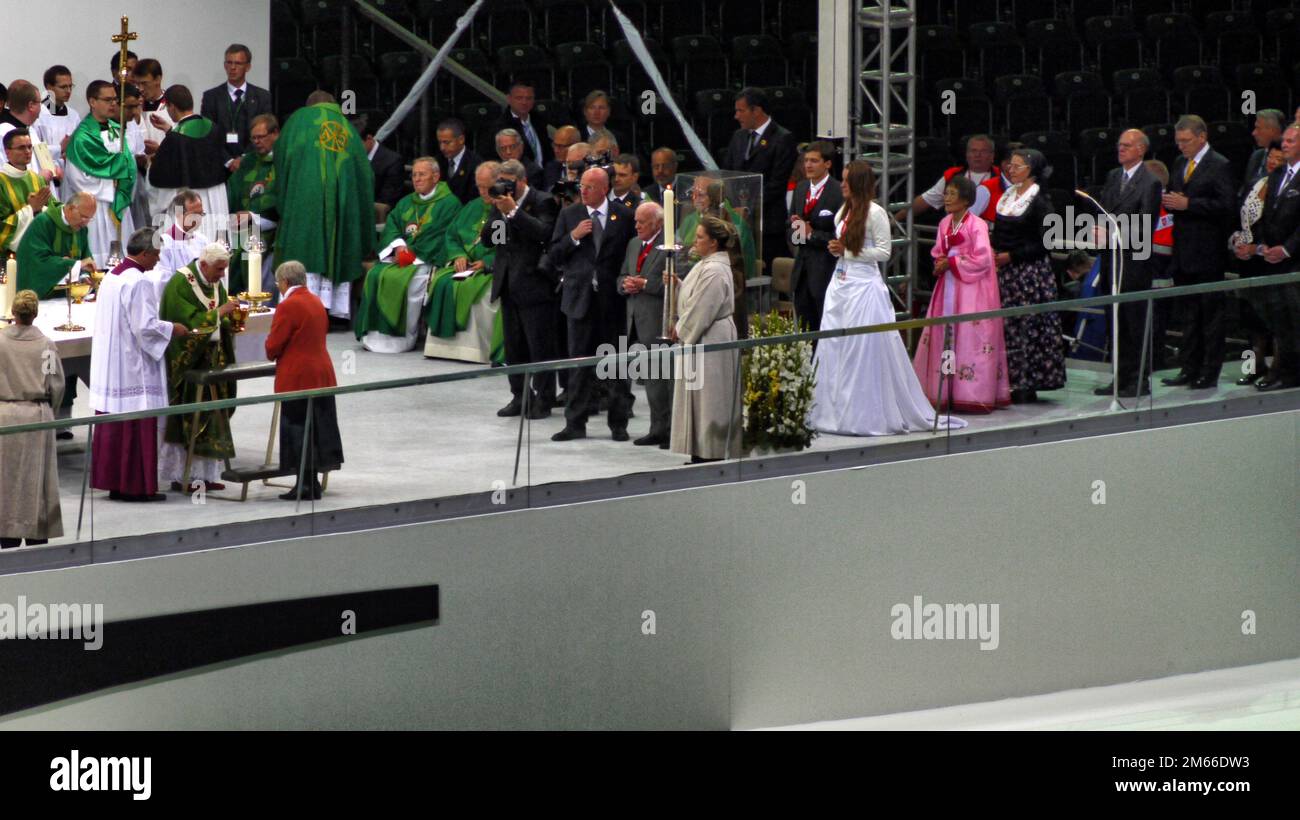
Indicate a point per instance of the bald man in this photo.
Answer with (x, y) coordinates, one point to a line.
(1132, 195)
(553, 171)
(56, 245)
(587, 248)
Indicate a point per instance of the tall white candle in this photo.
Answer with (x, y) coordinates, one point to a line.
(254, 271)
(670, 220)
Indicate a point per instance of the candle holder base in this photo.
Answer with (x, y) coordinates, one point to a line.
(69, 327)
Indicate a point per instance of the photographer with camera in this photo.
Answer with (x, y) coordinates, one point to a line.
(525, 282)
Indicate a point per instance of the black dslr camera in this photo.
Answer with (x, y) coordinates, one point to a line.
(502, 187)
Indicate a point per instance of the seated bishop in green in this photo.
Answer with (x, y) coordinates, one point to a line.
(708, 197)
(23, 192)
(413, 242)
(451, 299)
(250, 192)
(56, 244)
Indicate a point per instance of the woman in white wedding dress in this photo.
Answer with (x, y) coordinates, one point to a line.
(865, 383)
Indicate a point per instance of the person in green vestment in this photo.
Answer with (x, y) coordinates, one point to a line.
(388, 320)
(94, 163)
(250, 192)
(325, 194)
(708, 196)
(55, 244)
(195, 297)
(23, 192)
(451, 300)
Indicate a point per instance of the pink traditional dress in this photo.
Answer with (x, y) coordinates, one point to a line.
(976, 379)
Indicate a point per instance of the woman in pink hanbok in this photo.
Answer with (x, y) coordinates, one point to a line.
(976, 379)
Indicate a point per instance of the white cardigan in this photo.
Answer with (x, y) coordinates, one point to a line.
(876, 247)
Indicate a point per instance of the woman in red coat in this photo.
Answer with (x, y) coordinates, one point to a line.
(297, 345)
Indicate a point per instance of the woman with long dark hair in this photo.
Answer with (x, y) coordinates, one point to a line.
(865, 383)
(1035, 358)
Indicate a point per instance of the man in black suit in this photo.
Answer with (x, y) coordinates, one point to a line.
(565, 137)
(812, 226)
(663, 167)
(232, 105)
(518, 114)
(1202, 199)
(1268, 128)
(587, 247)
(390, 170)
(457, 162)
(1278, 235)
(1131, 191)
(761, 146)
(524, 281)
(510, 145)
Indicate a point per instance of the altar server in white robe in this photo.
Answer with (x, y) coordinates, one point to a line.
(128, 373)
(94, 163)
(183, 240)
(58, 119)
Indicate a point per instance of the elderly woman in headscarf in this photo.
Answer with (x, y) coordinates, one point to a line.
(31, 386)
(1035, 358)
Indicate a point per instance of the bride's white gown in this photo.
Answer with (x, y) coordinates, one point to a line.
(865, 383)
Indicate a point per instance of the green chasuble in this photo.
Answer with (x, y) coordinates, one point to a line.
(686, 236)
(450, 300)
(47, 251)
(181, 303)
(251, 189)
(325, 192)
(15, 187)
(87, 151)
(423, 224)
(196, 127)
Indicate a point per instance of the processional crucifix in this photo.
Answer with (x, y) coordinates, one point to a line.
(124, 37)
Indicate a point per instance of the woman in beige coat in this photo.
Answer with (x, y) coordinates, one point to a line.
(31, 386)
(706, 393)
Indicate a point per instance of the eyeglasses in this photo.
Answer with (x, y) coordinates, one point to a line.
(1016, 166)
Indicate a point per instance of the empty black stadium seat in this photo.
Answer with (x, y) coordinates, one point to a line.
(1084, 97)
(1141, 95)
(702, 61)
(527, 62)
(1233, 140)
(1097, 153)
(790, 108)
(1115, 43)
(1163, 146)
(760, 60)
(1200, 90)
(1281, 34)
(972, 111)
(1025, 105)
(997, 49)
(1268, 82)
(1176, 40)
(565, 21)
(1235, 38)
(939, 54)
(585, 68)
(1053, 47)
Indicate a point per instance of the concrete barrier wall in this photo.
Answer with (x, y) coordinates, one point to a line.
(773, 601)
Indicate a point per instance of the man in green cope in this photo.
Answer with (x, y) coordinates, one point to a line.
(415, 232)
(325, 194)
(55, 244)
(195, 297)
(23, 192)
(451, 300)
(251, 194)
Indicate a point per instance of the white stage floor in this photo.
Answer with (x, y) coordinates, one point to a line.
(445, 440)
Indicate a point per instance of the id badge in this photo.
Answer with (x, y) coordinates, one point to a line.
(232, 138)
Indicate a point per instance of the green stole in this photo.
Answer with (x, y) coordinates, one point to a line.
(423, 223)
(13, 198)
(181, 304)
(87, 151)
(196, 127)
(251, 189)
(450, 300)
(47, 251)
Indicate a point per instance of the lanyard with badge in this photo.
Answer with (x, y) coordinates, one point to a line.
(232, 137)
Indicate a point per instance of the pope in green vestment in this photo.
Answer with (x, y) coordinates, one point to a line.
(748, 250)
(16, 187)
(192, 300)
(252, 189)
(325, 192)
(451, 300)
(422, 223)
(50, 245)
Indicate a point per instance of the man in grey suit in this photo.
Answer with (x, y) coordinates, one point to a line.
(232, 105)
(641, 280)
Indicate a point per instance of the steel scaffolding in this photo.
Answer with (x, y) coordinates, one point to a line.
(884, 110)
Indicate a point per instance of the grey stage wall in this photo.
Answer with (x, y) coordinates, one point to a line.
(766, 612)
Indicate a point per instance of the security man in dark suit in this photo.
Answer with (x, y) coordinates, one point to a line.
(1133, 191)
(232, 105)
(1202, 199)
(525, 282)
(1278, 251)
(587, 247)
(532, 127)
(457, 162)
(812, 219)
(761, 146)
(390, 170)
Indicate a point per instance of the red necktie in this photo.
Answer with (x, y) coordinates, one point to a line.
(640, 260)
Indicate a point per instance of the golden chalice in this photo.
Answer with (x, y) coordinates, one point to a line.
(97, 276)
(257, 300)
(239, 317)
(78, 290)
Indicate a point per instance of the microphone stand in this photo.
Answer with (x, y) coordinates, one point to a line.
(1116, 273)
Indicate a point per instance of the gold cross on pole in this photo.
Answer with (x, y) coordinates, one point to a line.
(125, 37)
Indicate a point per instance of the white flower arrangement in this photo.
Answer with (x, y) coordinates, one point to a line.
(779, 382)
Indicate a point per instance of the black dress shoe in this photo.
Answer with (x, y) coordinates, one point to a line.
(511, 409)
(619, 435)
(1204, 383)
(540, 410)
(1104, 391)
(63, 435)
(307, 495)
(570, 433)
(647, 440)
(1179, 380)
(1266, 385)
(1250, 379)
